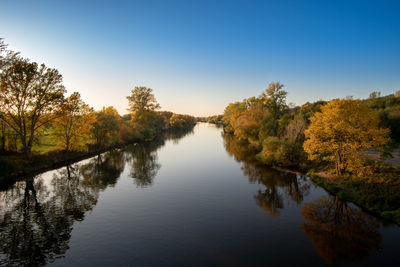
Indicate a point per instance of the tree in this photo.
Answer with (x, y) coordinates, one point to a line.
(275, 102)
(142, 99)
(397, 94)
(342, 130)
(6, 58)
(106, 128)
(145, 121)
(29, 95)
(375, 95)
(73, 128)
(6, 55)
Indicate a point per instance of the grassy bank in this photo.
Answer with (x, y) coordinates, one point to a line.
(378, 196)
(16, 166)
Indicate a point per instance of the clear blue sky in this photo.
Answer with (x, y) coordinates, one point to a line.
(200, 55)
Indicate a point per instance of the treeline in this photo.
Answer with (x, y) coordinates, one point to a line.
(333, 135)
(215, 119)
(34, 107)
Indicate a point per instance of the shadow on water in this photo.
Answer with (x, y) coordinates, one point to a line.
(277, 186)
(37, 214)
(340, 231)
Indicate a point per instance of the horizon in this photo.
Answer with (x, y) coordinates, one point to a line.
(198, 57)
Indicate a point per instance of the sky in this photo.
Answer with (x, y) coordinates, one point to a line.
(198, 56)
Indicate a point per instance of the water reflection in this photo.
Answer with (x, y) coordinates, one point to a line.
(36, 224)
(340, 232)
(104, 170)
(277, 186)
(38, 213)
(144, 162)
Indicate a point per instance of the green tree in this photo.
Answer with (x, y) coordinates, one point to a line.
(275, 102)
(29, 94)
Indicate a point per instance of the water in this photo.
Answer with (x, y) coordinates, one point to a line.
(193, 199)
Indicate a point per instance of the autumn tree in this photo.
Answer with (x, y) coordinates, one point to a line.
(145, 121)
(6, 56)
(106, 127)
(341, 131)
(274, 99)
(142, 99)
(73, 128)
(29, 94)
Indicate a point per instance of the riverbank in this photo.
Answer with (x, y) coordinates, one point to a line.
(15, 166)
(378, 196)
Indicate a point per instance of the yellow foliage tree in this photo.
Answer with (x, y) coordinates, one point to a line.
(342, 130)
(106, 128)
(73, 128)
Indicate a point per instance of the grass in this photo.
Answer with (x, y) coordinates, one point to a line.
(46, 142)
(379, 195)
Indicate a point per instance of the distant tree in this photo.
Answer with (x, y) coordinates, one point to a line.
(142, 99)
(374, 95)
(275, 101)
(145, 121)
(29, 94)
(106, 128)
(231, 115)
(342, 130)
(397, 94)
(74, 126)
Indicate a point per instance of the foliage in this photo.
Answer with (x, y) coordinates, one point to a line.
(341, 131)
(142, 99)
(74, 126)
(181, 121)
(147, 124)
(106, 128)
(29, 94)
(275, 101)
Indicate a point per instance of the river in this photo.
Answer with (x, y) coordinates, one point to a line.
(190, 199)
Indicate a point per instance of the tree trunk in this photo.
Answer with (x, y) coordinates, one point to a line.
(3, 136)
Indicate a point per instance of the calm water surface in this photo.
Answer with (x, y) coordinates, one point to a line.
(192, 199)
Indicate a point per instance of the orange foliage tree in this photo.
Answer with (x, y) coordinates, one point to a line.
(341, 131)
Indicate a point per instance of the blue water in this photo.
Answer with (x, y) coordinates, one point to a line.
(190, 199)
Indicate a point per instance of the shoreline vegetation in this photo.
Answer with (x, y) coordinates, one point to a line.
(42, 128)
(327, 140)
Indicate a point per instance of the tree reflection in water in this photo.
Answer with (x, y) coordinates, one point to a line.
(278, 186)
(37, 216)
(144, 160)
(340, 232)
(104, 169)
